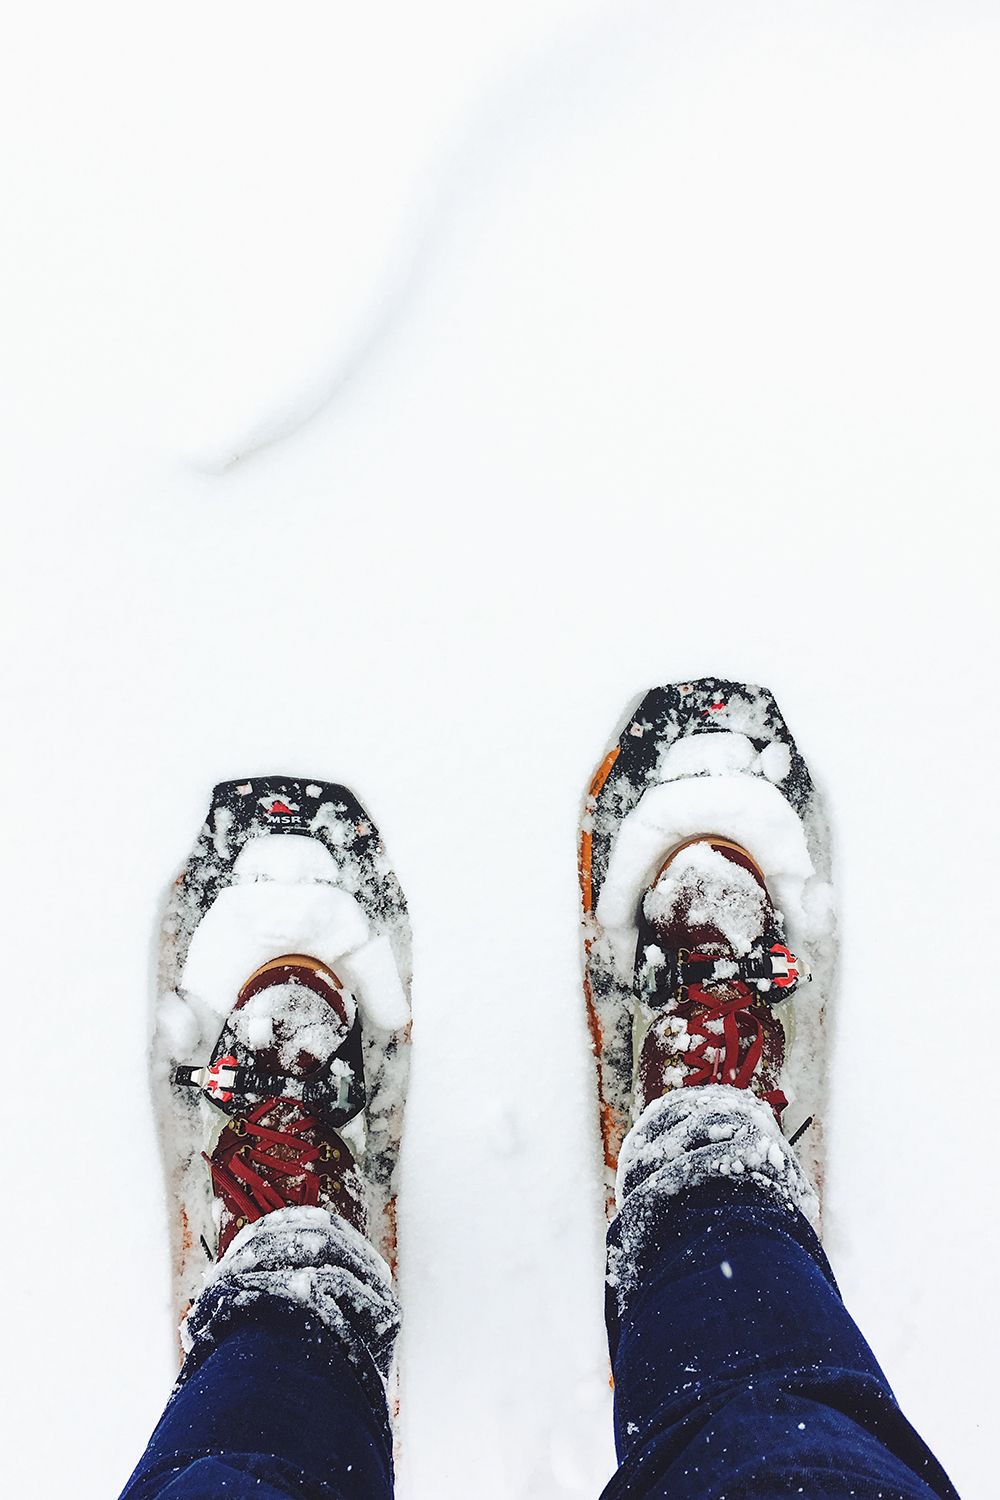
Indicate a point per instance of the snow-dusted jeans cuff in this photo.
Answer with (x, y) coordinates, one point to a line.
(311, 1259)
(686, 1139)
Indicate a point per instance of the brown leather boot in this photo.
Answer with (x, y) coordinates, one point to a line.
(278, 1150)
(710, 967)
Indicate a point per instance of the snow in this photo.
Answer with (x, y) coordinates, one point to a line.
(371, 972)
(715, 753)
(284, 902)
(687, 1138)
(316, 1259)
(775, 760)
(288, 857)
(716, 892)
(590, 347)
(249, 924)
(310, 1024)
(747, 809)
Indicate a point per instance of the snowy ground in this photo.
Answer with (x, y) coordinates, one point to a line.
(591, 346)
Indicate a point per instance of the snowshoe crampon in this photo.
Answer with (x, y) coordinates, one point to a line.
(697, 762)
(283, 1005)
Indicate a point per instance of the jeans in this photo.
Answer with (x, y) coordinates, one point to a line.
(738, 1371)
(275, 1409)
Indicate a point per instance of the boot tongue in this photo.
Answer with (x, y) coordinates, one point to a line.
(708, 899)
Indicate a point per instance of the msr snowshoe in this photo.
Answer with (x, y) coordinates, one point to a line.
(704, 872)
(281, 1041)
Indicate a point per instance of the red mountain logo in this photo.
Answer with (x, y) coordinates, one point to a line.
(275, 808)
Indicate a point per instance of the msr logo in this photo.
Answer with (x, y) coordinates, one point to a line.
(277, 810)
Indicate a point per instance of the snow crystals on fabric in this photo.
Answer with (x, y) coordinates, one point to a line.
(691, 1136)
(315, 1259)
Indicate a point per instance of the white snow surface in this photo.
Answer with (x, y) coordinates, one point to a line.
(391, 395)
(291, 858)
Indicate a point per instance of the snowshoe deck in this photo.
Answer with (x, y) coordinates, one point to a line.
(334, 887)
(709, 757)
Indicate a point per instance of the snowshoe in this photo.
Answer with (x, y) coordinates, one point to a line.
(281, 1037)
(708, 929)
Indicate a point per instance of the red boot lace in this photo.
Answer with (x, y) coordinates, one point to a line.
(251, 1180)
(717, 1059)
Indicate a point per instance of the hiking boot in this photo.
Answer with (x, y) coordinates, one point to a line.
(711, 965)
(287, 1067)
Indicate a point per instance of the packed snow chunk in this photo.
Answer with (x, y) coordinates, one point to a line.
(704, 755)
(220, 832)
(373, 976)
(294, 1021)
(259, 1031)
(329, 819)
(249, 924)
(775, 761)
(747, 809)
(178, 1024)
(818, 902)
(290, 857)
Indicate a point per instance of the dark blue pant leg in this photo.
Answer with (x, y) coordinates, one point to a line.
(274, 1409)
(739, 1372)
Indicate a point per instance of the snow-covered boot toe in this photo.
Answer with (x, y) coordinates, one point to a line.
(710, 963)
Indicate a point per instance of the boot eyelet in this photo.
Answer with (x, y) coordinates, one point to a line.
(238, 1126)
(240, 1222)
